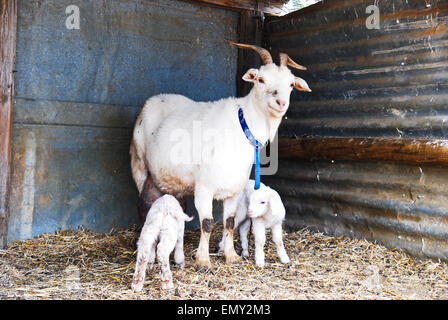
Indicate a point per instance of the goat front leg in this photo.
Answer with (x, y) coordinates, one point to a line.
(277, 237)
(203, 201)
(259, 231)
(230, 206)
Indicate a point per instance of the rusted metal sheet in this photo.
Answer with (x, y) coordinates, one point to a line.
(8, 20)
(387, 84)
(78, 93)
(401, 206)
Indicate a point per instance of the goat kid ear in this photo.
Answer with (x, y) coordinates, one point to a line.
(251, 75)
(301, 85)
(276, 203)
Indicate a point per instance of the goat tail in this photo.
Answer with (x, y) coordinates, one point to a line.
(182, 216)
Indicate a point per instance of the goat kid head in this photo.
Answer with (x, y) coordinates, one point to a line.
(264, 200)
(273, 84)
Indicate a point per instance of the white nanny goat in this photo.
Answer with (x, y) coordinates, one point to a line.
(263, 208)
(164, 230)
(183, 147)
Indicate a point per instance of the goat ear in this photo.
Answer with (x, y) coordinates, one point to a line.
(301, 85)
(251, 75)
(276, 203)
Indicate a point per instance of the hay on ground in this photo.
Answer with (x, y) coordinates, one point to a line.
(85, 265)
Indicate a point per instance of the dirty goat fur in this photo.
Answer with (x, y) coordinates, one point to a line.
(263, 208)
(198, 148)
(164, 229)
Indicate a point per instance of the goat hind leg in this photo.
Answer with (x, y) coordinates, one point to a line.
(164, 248)
(143, 257)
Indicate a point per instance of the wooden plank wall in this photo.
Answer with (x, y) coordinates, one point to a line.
(8, 14)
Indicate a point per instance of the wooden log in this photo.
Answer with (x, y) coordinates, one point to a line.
(8, 16)
(270, 7)
(411, 151)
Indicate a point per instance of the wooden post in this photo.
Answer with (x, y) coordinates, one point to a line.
(8, 17)
(250, 30)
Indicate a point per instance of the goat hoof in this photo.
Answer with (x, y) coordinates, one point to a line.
(285, 261)
(137, 286)
(233, 258)
(203, 263)
(167, 285)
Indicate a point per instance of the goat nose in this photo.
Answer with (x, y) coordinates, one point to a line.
(249, 212)
(281, 103)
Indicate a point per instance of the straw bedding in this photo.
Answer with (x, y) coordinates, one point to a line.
(85, 265)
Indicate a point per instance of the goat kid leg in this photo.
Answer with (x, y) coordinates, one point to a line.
(147, 197)
(221, 246)
(230, 206)
(143, 257)
(203, 201)
(179, 257)
(278, 240)
(164, 248)
(152, 255)
(244, 231)
(259, 232)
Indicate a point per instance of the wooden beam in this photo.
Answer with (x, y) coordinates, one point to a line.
(270, 7)
(8, 16)
(412, 151)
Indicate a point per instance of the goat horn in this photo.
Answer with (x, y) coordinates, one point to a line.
(266, 57)
(285, 60)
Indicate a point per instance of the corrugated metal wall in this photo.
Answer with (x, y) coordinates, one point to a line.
(388, 82)
(79, 91)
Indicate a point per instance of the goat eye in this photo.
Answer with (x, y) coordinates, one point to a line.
(261, 80)
(292, 85)
(262, 202)
(275, 92)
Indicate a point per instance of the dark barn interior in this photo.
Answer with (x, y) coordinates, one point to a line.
(364, 155)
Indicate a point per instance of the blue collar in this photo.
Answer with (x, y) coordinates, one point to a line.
(255, 143)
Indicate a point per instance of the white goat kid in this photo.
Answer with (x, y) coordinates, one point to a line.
(163, 230)
(264, 209)
(198, 148)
